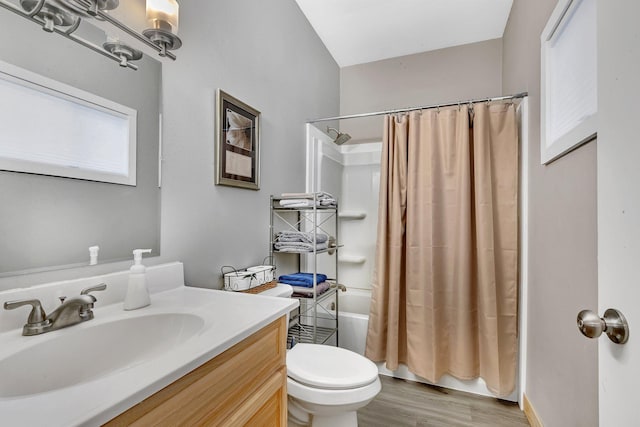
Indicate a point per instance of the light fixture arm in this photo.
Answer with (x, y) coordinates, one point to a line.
(65, 33)
(36, 9)
(132, 33)
(93, 8)
(39, 14)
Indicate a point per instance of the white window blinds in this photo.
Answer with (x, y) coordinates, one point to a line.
(569, 56)
(52, 129)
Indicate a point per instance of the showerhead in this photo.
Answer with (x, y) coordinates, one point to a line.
(340, 138)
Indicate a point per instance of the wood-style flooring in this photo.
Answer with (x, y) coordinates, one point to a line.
(405, 403)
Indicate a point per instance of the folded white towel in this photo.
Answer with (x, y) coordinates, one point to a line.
(300, 236)
(306, 199)
(297, 203)
(298, 246)
(308, 204)
(298, 195)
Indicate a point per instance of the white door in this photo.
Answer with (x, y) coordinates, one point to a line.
(619, 205)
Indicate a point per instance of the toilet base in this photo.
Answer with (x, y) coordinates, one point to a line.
(322, 416)
(345, 419)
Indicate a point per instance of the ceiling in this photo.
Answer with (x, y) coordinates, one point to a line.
(360, 31)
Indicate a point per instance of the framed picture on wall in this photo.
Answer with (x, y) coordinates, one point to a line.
(237, 143)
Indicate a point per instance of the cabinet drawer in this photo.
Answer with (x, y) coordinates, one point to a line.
(211, 393)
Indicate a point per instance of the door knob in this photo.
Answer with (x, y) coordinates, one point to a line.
(613, 323)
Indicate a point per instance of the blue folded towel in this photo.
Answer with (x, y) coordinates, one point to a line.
(302, 279)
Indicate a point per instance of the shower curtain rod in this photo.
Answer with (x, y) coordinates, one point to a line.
(405, 110)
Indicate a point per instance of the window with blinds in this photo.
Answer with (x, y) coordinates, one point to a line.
(569, 78)
(50, 128)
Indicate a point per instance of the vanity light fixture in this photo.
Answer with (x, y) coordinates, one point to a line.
(122, 50)
(64, 17)
(162, 15)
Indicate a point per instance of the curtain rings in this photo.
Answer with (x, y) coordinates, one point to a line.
(399, 116)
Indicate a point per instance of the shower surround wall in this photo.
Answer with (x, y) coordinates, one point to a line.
(360, 187)
(352, 173)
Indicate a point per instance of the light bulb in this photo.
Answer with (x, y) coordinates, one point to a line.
(163, 15)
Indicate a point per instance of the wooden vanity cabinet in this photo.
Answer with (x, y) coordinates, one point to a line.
(244, 386)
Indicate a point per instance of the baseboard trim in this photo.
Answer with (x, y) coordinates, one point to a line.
(530, 413)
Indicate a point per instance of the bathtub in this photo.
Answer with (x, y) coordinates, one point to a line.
(353, 319)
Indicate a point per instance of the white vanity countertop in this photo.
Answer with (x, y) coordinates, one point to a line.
(228, 319)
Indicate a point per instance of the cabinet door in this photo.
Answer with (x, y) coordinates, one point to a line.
(220, 388)
(267, 407)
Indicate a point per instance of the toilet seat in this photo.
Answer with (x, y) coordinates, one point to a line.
(329, 368)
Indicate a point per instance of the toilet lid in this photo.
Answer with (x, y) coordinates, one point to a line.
(328, 367)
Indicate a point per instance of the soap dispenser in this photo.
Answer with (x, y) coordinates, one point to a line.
(137, 293)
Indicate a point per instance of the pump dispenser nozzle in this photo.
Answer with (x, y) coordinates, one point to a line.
(93, 254)
(137, 255)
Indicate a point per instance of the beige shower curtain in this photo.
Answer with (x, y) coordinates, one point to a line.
(445, 282)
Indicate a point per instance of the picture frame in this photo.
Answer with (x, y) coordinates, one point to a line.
(237, 143)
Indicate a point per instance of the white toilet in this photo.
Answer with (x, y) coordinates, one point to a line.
(326, 385)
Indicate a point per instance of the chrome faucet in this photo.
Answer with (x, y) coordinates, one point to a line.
(71, 311)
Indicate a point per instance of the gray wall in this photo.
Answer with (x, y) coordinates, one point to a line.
(457, 73)
(266, 54)
(51, 221)
(562, 366)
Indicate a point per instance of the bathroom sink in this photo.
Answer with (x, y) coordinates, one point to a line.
(81, 354)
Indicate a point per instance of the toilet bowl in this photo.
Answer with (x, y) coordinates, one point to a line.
(327, 385)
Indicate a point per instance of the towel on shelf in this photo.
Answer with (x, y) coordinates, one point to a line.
(304, 200)
(326, 203)
(325, 199)
(297, 195)
(297, 203)
(299, 246)
(300, 236)
(306, 292)
(302, 279)
(319, 194)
